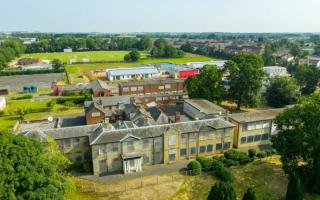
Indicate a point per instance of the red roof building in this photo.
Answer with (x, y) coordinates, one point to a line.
(189, 72)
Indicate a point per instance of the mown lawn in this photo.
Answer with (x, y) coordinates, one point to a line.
(93, 56)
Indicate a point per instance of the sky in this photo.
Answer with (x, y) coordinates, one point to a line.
(160, 15)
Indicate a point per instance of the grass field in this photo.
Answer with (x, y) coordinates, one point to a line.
(93, 56)
(8, 120)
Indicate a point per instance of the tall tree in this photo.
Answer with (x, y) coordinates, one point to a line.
(145, 43)
(282, 91)
(308, 77)
(246, 75)
(27, 172)
(294, 189)
(208, 84)
(298, 141)
(250, 194)
(222, 191)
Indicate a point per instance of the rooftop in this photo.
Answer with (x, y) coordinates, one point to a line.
(112, 100)
(133, 70)
(151, 82)
(256, 115)
(205, 106)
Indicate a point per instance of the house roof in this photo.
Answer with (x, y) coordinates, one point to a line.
(205, 106)
(92, 105)
(157, 130)
(112, 100)
(71, 132)
(133, 70)
(256, 115)
(98, 85)
(151, 82)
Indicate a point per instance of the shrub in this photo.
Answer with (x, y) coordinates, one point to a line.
(261, 154)
(69, 103)
(252, 153)
(206, 163)
(195, 167)
(235, 155)
(222, 159)
(222, 191)
(216, 164)
(273, 151)
(224, 174)
(249, 195)
(229, 163)
(295, 188)
(268, 152)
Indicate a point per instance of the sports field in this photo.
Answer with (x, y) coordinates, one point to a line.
(93, 56)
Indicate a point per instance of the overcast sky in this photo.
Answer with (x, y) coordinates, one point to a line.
(160, 15)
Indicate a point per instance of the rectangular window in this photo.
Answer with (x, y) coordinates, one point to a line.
(245, 127)
(130, 146)
(183, 152)
(192, 136)
(203, 136)
(146, 143)
(172, 139)
(161, 87)
(265, 137)
(146, 159)
(76, 142)
(202, 149)
(209, 148)
(125, 89)
(114, 147)
(95, 114)
(251, 126)
(250, 139)
(259, 125)
(158, 142)
(266, 125)
(218, 146)
(192, 150)
(102, 149)
(227, 145)
(133, 89)
(172, 155)
(167, 86)
(66, 143)
(243, 140)
(220, 133)
(210, 136)
(183, 138)
(257, 138)
(140, 88)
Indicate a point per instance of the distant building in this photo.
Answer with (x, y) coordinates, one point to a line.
(4, 91)
(67, 50)
(2, 103)
(199, 65)
(132, 73)
(30, 89)
(185, 73)
(314, 61)
(65, 90)
(273, 71)
(100, 88)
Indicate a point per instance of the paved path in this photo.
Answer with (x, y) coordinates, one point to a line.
(146, 171)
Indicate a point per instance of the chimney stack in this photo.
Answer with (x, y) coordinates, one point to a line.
(177, 117)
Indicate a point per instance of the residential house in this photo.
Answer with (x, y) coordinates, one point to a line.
(254, 128)
(273, 71)
(100, 88)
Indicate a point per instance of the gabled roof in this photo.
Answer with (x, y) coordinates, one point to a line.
(129, 136)
(112, 100)
(99, 85)
(205, 106)
(91, 106)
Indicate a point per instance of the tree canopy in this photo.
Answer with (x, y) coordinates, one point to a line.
(282, 91)
(132, 56)
(308, 77)
(30, 170)
(207, 84)
(294, 189)
(162, 49)
(250, 194)
(246, 75)
(222, 191)
(298, 141)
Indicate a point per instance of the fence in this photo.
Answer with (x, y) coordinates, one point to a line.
(137, 183)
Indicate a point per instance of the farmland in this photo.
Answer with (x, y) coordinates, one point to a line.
(93, 56)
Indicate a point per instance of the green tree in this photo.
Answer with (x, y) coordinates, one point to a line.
(187, 47)
(246, 75)
(194, 167)
(250, 194)
(162, 49)
(27, 172)
(295, 188)
(208, 84)
(133, 56)
(308, 77)
(57, 64)
(296, 51)
(282, 91)
(145, 43)
(298, 141)
(222, 191)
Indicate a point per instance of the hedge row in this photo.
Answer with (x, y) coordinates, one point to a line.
(27, 72)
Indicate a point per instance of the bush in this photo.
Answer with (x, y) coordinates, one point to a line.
(249, 195)
(235, 155)
(195, 167)
(224, 174)
(216, 164)
(75, 100)
(222, 159)
(268, 152)
(252, 153)
(27, 96)
(222, 191)
(229, 163)
(261, 154)
(69, 104)
(273, 151)
(206, 163)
